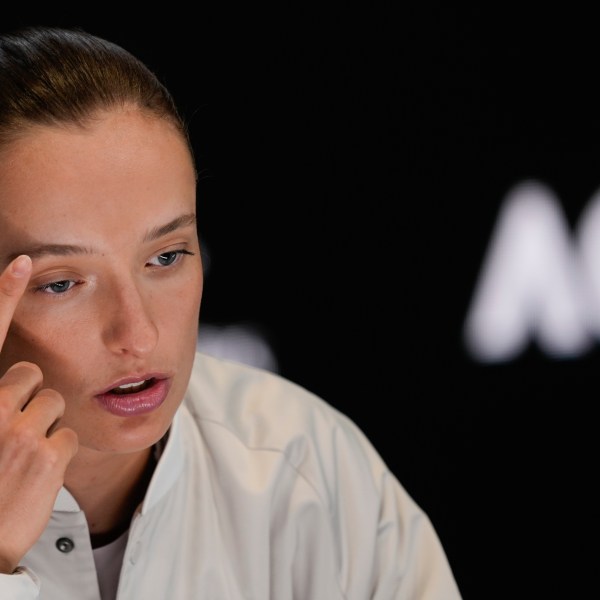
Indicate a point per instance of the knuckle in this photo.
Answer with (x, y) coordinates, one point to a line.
(9, 289)
(25, 440)
(50, 458)
(6, 411)
(27, 368)
(52, 395)
(61, 446)
(19, 382)
(67, 437)
(72, 437)
(53, 400)
(20, 373)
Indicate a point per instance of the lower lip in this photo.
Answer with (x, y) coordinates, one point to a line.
(140, 403)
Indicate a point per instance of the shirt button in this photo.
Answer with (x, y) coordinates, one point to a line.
(65, 544)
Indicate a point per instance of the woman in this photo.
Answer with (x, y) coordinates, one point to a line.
(132, 466)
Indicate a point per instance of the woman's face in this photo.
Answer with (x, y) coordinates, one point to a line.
(107, 215)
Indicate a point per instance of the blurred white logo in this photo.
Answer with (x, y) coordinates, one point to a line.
(538, 280)
(240, 342)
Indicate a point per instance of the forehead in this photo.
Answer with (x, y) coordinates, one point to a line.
(123, 167)
(110, 144)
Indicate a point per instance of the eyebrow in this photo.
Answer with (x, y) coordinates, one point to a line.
(177, 223)
(40, 250)
(155, 233)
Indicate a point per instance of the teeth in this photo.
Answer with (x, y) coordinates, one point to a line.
(130, 388)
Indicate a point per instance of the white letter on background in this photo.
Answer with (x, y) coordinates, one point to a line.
(531, 284)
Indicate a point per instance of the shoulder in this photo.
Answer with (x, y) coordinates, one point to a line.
(219, 385)
(250, 400)
(261, 410)
(274, 446)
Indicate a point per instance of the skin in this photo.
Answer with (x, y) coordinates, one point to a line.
(124, 304)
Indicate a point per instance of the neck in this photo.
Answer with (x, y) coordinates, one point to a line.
(109, 488)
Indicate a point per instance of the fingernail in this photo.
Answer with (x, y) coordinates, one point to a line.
(21, 266)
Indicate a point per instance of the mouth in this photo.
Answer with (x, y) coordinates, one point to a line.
(133, 396)
(134, 387)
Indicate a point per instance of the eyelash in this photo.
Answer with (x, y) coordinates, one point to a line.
(174, 254)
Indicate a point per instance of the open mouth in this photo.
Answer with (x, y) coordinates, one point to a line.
(132, 388)
(135, 397)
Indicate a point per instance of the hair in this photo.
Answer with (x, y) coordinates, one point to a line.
(51, 76)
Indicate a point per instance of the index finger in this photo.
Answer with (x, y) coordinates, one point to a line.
(13, 282)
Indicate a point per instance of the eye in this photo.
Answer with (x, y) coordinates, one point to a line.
(165, 259)
(56, 287)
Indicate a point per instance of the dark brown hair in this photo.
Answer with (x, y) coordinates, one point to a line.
(58, 76)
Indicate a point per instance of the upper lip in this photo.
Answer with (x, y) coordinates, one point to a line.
(133, 379)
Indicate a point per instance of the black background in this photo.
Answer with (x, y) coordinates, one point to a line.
(353, 161)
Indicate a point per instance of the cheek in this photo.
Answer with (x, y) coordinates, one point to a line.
(49, 343)
(175, 311)
(184, 305)
(24, 337)
(187, 293)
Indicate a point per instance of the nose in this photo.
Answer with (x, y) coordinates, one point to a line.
(129, 327)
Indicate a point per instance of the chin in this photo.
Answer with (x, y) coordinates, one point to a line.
(126, 435)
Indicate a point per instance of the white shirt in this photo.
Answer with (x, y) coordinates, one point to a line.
(263, 491)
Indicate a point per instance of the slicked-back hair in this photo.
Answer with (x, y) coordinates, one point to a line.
(66, 76)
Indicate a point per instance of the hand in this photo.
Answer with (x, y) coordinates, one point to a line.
(34, 454)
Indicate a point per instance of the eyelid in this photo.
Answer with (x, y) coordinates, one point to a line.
(177, 251)
(43, 287)
(54, 276)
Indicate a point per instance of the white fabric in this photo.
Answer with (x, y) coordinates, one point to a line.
(108, 560)
(263, 491)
